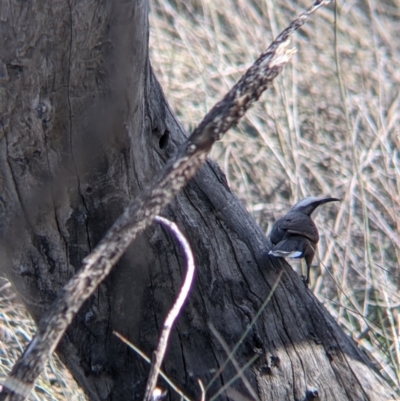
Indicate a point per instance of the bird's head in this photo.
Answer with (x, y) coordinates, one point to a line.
(310, 205)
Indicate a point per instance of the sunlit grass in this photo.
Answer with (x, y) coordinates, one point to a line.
(16, 330)
(329, 126)
(320, 130)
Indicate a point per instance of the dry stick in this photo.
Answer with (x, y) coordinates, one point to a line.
(228, 384)
(235, 363)
(202, 389)
(147, 359)
(247, 331)
(139, 214)
(158, 356)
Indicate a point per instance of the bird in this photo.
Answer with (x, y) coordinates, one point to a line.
(295, 235)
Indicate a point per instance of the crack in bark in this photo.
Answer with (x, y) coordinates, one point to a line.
(71, 130)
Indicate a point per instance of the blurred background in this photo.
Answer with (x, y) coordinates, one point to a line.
(330, 125)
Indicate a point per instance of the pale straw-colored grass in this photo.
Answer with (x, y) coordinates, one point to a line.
(329, 126)
(320, 130)
(16, 330)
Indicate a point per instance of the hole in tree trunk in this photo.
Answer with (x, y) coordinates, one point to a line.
(164, 140)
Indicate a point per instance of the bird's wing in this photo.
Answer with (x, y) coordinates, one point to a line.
(277, 234)
(292, 247)
(299, 224)
(295, 246)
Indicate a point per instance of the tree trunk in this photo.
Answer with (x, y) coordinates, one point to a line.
(84, 127)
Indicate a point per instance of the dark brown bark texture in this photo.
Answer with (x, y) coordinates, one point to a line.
(84, 126)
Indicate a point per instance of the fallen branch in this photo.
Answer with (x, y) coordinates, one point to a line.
(140, 213)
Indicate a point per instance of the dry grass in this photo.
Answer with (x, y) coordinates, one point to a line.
(329, 126)
(318, 131)
(16, 330)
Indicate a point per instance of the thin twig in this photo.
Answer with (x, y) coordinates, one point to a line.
(235, 363)
(158, 355)
(140, 213)
(147, 359)
(234, 378)
(202, 389)
(248, 328)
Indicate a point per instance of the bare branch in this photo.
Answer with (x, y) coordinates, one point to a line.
(158, 355)
(140, 213)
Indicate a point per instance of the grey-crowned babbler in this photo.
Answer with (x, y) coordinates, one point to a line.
(295, 235)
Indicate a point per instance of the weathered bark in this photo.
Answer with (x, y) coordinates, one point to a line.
(81, 104)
